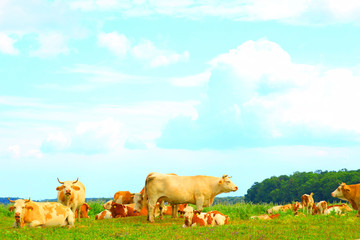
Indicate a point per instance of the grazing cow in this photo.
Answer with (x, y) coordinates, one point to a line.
(338, 209)
(72, 195)
(308, 202)
(350, 193)
(198, 190)
(106, 214)
(320, 207)
(212, 218)
(84, 211)
(265, 216)
(41, 214)
(107, 205)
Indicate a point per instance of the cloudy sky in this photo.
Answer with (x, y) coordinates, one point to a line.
(110, 90)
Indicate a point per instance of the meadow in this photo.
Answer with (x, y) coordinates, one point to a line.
(241, 226)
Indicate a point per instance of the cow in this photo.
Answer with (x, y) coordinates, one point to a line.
(265, 216)
(106, 214)
(199, 190)
(338, 209)
(71, 194)
(308, 202)
(84, 211)
(320, 207)
(350, 193)
(168, 210)
(296, 206)
(212, 218)
(283, 208)
(124, 197)
(41, 214)
(121, 210)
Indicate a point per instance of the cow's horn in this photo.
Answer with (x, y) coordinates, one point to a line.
(59, 181)
(27, 200)
(225, 175)
(76, 181)
(11, 200)
(230, 177)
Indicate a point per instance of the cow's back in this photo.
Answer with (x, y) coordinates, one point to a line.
(179, 189)
(57, 214)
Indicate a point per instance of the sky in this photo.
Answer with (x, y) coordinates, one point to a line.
(111, 90)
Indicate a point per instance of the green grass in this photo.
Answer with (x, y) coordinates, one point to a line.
(240, 227)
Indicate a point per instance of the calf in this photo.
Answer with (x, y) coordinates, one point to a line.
(106, 214)
(121, 210)
(308, 202)
(212, 218)
(320, 207)
(41, 214)
(84, 211)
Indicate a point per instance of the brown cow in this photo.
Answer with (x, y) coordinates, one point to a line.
(84, 211)
(350, 193)
(308, 202)
(212, 218)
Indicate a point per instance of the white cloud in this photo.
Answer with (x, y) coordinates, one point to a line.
(116, 43)
(14, 151)
(192, 81)
(7, 44)
(51, 45)
(156, 57)
(55, 142)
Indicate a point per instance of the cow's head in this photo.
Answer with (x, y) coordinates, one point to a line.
(227, 185)
(189, 214)
(67, 187)
(19, 208)
(139, 201)
(107, 205)
(342, 190)
(181, 208)
(118, 210)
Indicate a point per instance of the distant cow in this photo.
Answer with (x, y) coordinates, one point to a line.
(41, 214)
(350, 193)
(212, 218)
(199, 190)
(265, 216)
(84, 211)
(121, 210)
(338, 209)
(283, 208)
(308, 202)
(320, 207)
(124, 197)
(106, 214)
(168, 210)
(72, 195)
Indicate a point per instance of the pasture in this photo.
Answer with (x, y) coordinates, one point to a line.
(241, 226)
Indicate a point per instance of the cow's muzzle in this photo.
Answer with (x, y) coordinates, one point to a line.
(68, 192)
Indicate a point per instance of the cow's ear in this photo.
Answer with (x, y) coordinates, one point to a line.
(11, 208)
(60, 188)
(221, 181)
(75, 188)
(29, 208)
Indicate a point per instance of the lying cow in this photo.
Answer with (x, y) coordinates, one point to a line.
(212, 218)
(41, 214)
(121, 210)
(198, 190)
(72, 195)
(168, 210)
(106, 214)
(319, 208)
(350, 193)
(308, 202)
(295, 206)
(84, 211)
(265, 216)
(338, 209)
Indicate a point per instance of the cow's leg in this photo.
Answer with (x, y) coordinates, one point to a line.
(78, 214)
(16, 224)
(175, 208)
(199, 203)
(151, 209)
(161, 210)
(35, 223)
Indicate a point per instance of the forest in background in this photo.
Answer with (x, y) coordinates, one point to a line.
(285, 189)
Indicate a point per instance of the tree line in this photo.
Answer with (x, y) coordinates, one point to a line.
(285, 189)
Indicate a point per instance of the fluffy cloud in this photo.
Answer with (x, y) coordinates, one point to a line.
(7, 44)
(117, 43)
(257, 96)
(155, 56)
(51, 45)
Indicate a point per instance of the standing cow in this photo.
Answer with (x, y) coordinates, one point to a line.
(350, 193)
(41, 214)
(72, 195)
(199, 190)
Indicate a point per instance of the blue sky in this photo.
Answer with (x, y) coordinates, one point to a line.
(109, 91)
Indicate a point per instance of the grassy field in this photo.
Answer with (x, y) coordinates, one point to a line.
(241, 227)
